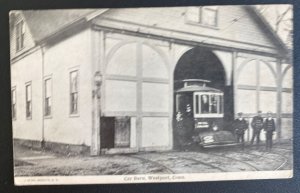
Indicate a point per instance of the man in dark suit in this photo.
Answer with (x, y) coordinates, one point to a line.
(257, 125)
(240, 125)
(269, 127)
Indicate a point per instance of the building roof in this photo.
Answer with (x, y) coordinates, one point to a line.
(44, 23)
(267, 26)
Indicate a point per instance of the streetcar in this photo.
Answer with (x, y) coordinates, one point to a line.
(199, 115)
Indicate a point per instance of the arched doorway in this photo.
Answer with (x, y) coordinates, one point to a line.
(202, 63)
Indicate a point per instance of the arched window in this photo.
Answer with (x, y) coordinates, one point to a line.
(266, 77)
(287, 80)
(135, 66)
(256, 87)
(247, 74)
(123, 61)
(153, 64)
(287, 97)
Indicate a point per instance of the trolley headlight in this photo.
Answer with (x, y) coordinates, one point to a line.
(215, 128)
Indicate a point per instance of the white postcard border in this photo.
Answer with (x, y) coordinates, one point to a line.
(153, 178)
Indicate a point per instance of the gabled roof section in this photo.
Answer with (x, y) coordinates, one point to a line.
(28, 41)
(45, 23)
(267, 27)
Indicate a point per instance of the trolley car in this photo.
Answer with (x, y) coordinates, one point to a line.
(200, 113)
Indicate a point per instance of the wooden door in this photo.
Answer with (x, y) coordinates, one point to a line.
(107, 132)
(122, 132)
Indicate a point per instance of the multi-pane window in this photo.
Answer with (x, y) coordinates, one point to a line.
(209, 15)
(208, 103)
(74, 92)
(13, 104)
(206, 15)
(48, 97)
(28, 101)
(20, 33)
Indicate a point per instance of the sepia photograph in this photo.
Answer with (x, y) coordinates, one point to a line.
(150, 95)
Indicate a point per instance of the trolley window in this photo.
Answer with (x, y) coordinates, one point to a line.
(208, 104)
(204, 106)
(184, 103)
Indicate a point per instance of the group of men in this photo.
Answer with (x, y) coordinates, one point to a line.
(258, 123)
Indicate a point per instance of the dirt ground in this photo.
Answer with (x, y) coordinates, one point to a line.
(30, 162)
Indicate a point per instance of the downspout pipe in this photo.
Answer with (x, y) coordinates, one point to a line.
(43, 98)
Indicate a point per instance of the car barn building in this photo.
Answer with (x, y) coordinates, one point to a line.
(103, 81)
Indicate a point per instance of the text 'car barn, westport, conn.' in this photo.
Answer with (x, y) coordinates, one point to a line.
(104, 80)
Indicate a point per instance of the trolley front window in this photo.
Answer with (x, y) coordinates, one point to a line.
(208, 104)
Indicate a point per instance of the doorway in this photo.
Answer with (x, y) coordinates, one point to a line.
(202, 63)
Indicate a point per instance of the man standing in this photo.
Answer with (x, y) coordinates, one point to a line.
(188, 124)
(257, 125)
(239, 126)
(269, 127)
(179, 129)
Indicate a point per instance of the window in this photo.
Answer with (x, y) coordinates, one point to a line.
(183, 101)
(28, 101)
(204, 103)
(20, 33)
(207, 104)
(206, 15)
(13, 103)
(74, 92)
(48, 97)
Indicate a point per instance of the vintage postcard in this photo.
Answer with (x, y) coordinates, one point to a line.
(146, 95)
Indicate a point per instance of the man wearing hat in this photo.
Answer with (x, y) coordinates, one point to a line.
(257, 125)
(240, 125)
(188, 124)
(269, 127)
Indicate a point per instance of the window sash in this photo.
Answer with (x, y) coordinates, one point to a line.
(13, 103)
(48, 97)
(20, 34)
(28, 101)
(74, 81)
(13, 96)
(13, 111)
(208, 16)
(74, 92)
(48, 106)
(28, 109)
(28, 93)
(74, 103)
(48, 90)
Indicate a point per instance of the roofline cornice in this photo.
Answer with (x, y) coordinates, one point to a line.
(185, 41)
